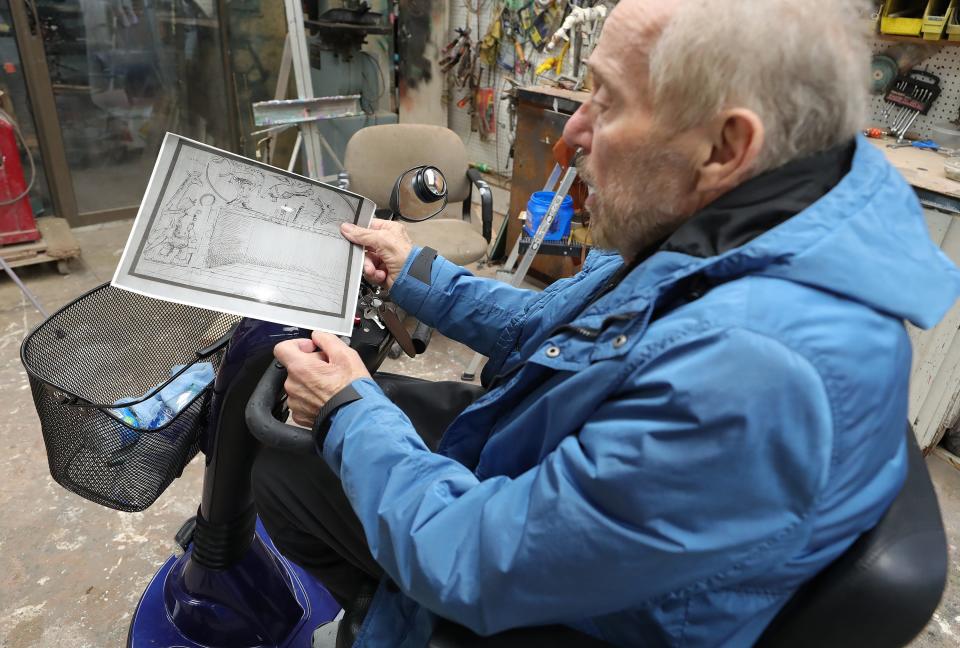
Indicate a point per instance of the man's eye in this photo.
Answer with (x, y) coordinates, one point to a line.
(600, 100)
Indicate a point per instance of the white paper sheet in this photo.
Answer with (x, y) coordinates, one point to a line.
(220, 231)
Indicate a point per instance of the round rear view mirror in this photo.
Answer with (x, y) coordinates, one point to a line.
(419, 194)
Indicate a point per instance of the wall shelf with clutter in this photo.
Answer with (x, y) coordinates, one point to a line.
(892, 63)
(932, 21)
(497, 47)
(896, 38)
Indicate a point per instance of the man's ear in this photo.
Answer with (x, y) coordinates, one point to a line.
(736, 140)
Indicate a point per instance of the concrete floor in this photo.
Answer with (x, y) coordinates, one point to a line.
(71, 572)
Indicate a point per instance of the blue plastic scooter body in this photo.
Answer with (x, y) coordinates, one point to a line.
(261, 601)
(153, 624)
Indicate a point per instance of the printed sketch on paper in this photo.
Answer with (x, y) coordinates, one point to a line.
(227, 226)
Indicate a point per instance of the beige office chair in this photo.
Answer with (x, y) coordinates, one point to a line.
(377, 155)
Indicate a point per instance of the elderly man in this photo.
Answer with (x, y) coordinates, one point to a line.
(677, 438)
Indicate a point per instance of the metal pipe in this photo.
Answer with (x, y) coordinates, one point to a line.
(23, 288)
(237, 139)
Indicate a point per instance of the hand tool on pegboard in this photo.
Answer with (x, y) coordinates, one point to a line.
(911, 95)
(458, 58)
(486, 112)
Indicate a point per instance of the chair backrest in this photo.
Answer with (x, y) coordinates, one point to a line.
(883, 590)
(377, 155)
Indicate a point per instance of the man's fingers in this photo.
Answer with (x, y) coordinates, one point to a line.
(288, 352)
(383, 224)
(291, 352)
(302, 418)
(369, 266)
(306, 346)
(374, 258)
(361, 235)
(329, 344)
(378, 235)
(373, 271)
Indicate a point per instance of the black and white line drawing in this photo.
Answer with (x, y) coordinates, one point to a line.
(234, 233)
(175, 240)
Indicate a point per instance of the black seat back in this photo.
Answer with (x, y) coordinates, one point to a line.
(450, 635)
(883, 590)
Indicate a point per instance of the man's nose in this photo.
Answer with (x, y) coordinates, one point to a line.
(578, 133)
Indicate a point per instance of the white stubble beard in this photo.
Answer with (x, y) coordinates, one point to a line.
(644, 204)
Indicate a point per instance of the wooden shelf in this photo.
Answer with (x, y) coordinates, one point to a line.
(894, 38)
(874, 27)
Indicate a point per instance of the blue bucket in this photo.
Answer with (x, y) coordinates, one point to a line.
(537, 208)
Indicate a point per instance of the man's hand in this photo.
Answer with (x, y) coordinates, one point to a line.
(387, 244)
(316, 370)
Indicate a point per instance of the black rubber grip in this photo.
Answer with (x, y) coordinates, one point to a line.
(259, 415)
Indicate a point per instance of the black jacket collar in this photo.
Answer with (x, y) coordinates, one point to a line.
(755, 207)
(760, 204)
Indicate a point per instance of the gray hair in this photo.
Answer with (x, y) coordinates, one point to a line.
(802, 66)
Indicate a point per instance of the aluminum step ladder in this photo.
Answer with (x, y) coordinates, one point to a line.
(516, 277)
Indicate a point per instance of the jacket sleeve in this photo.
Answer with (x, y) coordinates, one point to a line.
(481, 313)
(704, 469)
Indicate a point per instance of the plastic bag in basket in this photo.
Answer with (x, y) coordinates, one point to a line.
(164, 406)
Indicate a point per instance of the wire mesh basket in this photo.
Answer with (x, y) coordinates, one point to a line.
(98, 362)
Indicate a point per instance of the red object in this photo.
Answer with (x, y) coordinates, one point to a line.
(9, 68)
(16, 219)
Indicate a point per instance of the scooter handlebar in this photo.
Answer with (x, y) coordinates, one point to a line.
(264, 426)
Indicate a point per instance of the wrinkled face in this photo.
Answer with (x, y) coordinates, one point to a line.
(641, 181)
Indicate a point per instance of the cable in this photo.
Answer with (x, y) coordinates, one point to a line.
(33, 167)
(381, 82)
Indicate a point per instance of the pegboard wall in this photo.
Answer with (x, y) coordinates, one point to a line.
(946, 65)
(494, 152)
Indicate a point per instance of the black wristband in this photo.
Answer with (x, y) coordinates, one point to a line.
(322, 425)
(421, 267)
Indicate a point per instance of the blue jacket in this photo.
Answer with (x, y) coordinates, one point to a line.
(669, 480)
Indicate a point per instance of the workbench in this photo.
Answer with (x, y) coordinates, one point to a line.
(923, 169)
(934, 404)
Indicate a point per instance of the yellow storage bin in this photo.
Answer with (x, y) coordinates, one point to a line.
(903, 17)
(953, 24)
(935, 18)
